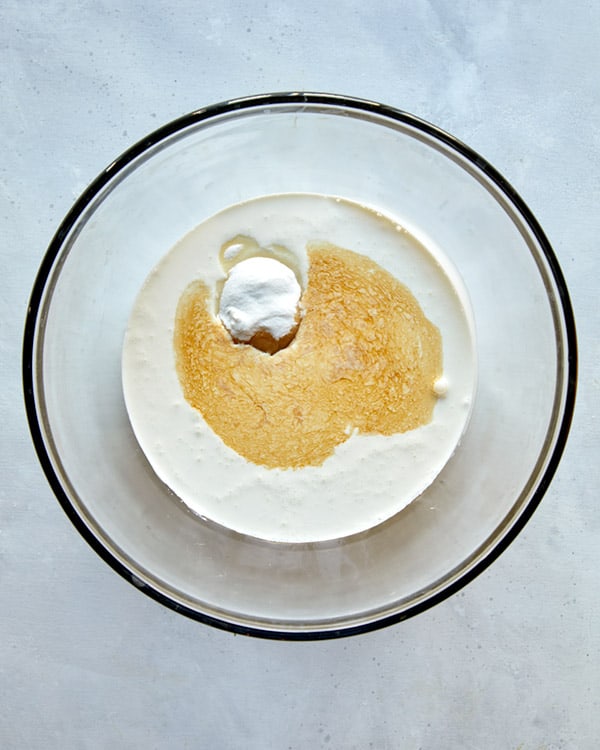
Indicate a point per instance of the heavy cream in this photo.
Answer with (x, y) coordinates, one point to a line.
(369, 477)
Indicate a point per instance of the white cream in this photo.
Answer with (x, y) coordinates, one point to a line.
(370, 477)
(440, 387)
(260, 295)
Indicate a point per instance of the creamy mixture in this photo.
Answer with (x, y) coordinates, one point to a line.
(365, 359)
(338, 427)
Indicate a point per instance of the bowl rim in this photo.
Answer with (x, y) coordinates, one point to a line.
(248, 103)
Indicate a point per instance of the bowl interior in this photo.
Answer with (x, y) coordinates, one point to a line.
(393, 162)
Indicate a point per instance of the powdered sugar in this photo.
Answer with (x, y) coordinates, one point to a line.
(260, 295)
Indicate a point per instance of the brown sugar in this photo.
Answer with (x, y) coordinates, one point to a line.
(365, 358)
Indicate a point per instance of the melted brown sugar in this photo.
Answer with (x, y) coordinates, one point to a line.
(364, 358)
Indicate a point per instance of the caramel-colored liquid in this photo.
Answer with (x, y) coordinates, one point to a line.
(364, 358)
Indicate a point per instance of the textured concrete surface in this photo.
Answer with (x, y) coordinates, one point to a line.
(86, 661)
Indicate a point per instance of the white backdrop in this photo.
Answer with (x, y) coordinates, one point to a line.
(511, 662)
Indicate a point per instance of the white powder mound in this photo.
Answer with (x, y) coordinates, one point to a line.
(260, 295)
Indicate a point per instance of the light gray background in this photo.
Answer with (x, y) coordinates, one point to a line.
(511, 662)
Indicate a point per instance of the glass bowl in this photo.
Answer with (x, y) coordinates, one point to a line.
(190, 169)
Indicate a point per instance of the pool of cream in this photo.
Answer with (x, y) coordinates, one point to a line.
(370, 477)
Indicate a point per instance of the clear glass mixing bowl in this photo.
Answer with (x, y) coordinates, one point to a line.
(159, 190)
